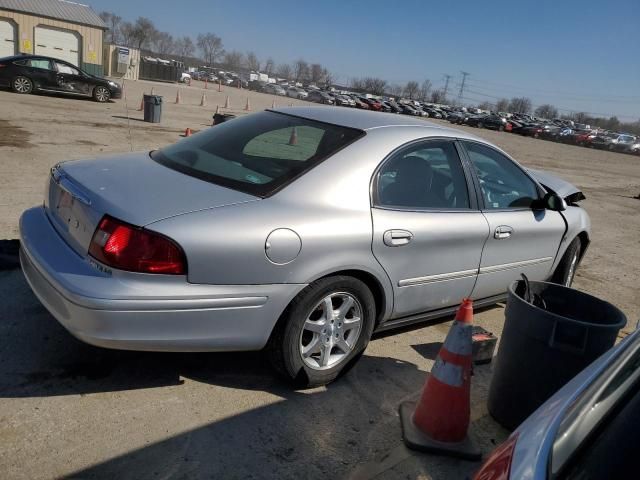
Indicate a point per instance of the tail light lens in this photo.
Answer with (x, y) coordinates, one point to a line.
(125, 247)
(498, 465)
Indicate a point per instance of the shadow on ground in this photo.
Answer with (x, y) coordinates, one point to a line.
(350, 426)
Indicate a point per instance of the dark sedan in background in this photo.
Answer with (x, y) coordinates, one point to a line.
(32, 73)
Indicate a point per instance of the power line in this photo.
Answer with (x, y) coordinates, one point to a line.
(446, 84)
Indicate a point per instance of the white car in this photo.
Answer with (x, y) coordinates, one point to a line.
(185, 78)
(296, 92)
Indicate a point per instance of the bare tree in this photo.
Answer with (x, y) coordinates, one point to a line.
(411, 90)
(485, 106)
(328, 77)
(113, 21)
(211, 46)
(395, 90)
(185, 47)
(520, 105)
(437, 96)
(233, 60)
(284, 71)
(546, 111)
(502, 105)
(375, 85)
(357, 84)
(300, 70)
(269, 66)
(142, 33)
(163, 44)
(425, 89)
(316, 74)
(252, 62)
(126, 34)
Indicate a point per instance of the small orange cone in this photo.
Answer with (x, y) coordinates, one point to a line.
(273, 103)
(247, 107)
(203, 102)
(187, 132)
(293, 139)
(178, 97)
(205, 83)
(217, 109)
(440, 420)
(226, 103)
(219, 85)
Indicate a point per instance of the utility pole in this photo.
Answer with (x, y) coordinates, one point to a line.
(446, 85)
(464, 78)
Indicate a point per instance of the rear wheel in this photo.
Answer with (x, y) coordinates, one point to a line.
(323, 331)
(566, 269)
(22, 85)
(101, 94)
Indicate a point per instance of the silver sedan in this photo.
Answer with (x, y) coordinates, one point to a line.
(302, 230)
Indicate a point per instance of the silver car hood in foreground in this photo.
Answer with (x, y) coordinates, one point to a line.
(563, 188)
(136, 189)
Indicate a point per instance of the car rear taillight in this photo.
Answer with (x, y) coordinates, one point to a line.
(125, 247)
(498, 465)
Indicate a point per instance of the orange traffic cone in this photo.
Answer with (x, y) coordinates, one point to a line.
(178, 96)
(293, 139)
(187, 132)
(439, 422)
(226, 103)
(217, 109)
(205, 83)
(247, 107)
(273, 103)
(203, 102)
(219, 85)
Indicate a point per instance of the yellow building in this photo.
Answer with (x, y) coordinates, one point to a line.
(56, 28)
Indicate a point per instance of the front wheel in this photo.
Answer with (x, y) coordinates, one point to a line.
(101, 94)
(566, 269)
(324, 329)
(22, 85)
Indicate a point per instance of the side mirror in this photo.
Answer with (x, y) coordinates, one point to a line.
(554, 202)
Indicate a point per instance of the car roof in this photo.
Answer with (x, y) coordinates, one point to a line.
(367, 120)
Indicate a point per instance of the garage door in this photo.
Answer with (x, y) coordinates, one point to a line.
(7, 39)
(57, 44)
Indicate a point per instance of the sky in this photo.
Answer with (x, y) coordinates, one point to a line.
(577, 55)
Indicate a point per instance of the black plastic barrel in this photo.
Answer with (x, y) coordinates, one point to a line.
(152, 108)
(545, 344)
(219, 118)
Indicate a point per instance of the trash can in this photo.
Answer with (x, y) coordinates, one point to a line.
(219, 118)
(152, 108)
(544, 344)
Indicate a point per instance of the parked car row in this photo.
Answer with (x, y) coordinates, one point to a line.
(557, 130)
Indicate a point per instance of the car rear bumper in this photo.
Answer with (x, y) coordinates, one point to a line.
(131, 311)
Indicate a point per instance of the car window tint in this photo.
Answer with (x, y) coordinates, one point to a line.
(424, 175)
(503, 183)
(63, 68)
(258, 153)
(278, 144)
(40, 63)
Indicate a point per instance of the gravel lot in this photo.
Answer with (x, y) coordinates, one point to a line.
(72, 410)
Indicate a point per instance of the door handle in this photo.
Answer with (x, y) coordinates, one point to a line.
(397, 238)
(503, 231)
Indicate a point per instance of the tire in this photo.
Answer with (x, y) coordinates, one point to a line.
(501, 128)
(101, 94)
(566, 269)
(289, 338)
(22, 85)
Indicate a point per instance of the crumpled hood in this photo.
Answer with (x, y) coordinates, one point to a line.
(566, 190)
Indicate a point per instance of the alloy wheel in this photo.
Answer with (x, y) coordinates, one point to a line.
(572, 270)
(102, 94)
(22, 85)
(331, 331)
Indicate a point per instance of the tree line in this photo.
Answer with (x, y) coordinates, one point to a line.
(207, 48)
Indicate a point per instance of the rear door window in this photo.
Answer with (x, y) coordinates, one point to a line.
(40, 63)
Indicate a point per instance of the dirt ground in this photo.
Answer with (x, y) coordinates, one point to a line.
(72, 410)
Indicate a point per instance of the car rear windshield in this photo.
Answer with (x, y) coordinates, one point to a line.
(257, 154)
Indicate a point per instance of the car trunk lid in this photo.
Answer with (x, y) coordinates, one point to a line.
(132, 188)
